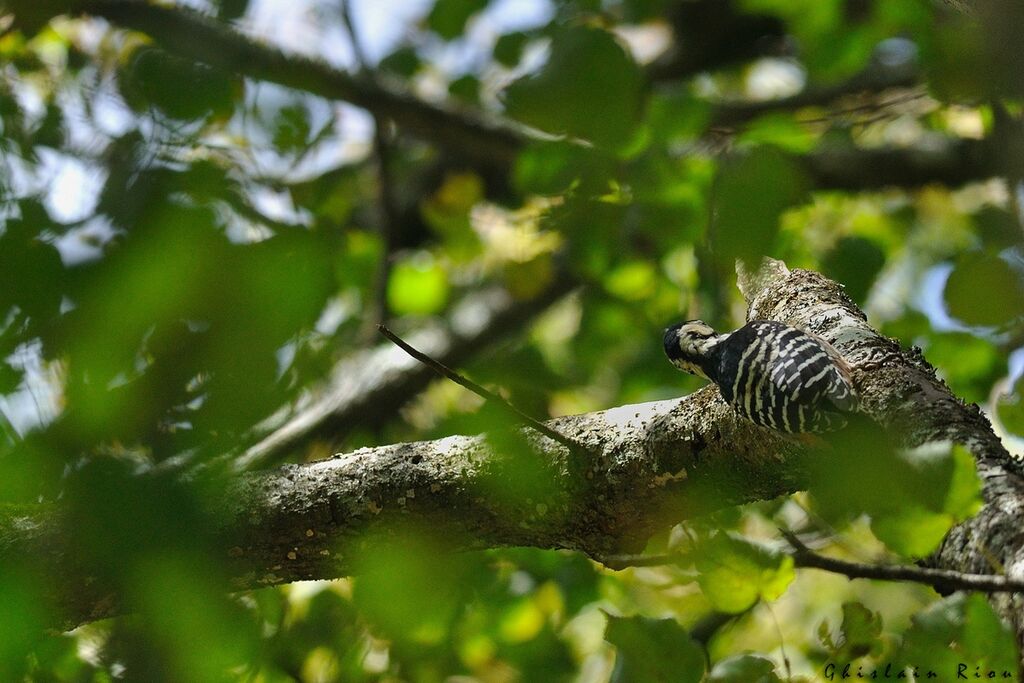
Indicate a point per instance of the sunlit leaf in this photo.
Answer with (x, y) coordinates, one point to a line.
(964, 498)
(969, 363)
(735, 573)
(419, 288)
(632, 281)
(411, 586)
(912, 531)
(1010, 409)
(551, 167)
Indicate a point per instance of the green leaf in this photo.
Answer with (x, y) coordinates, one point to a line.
(586, 65)
(971, 285)
(465, 88)
(735, 573)
(858, 634)
(552, 167)
(677, 114)
(410, 584)
(632, 281)
(750, 194)
(912, 531)
(508, 49)
(448, 17)
(743, 669)
(199, 89)
(1010, 409)
(913, 496)
(997, 228)
(960, 631)
(855, 262)
(969, 363)
(229, 10)
(964, 497)
(652, 651)
(291, 127)
(404, 62)
(419, 288)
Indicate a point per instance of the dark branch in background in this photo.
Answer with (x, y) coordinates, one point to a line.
(482, 392)
(491, 142)
(875, 79)
(950, 161)
(712, 34)
(187, 33)
(389, 221)
(366, 388)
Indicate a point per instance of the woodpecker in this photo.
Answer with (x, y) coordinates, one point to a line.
(772, 374)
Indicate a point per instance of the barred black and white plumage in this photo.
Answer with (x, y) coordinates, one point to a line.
(774, 375)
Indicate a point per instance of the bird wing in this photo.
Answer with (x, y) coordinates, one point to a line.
(813, 371)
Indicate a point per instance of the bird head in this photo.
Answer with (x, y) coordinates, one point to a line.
(688, 345)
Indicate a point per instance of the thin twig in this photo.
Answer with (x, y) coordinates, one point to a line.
(482, 392)
(388, 226)
(940, 579)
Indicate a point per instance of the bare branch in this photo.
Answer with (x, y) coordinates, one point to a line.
(943, 580)
(874, 80)
(482, 392)
(366, 388)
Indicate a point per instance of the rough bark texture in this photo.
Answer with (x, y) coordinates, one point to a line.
(901, 390)
(653, 464)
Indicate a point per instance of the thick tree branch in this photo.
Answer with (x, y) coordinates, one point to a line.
(654, 464)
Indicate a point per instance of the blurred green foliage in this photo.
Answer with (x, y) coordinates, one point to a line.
(183, 251)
